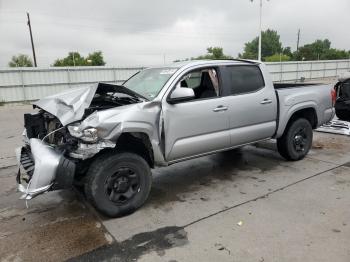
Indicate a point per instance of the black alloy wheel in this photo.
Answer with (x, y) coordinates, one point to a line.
(123, 185)
(300, 140)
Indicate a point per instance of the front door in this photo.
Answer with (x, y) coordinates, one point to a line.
(198, 126)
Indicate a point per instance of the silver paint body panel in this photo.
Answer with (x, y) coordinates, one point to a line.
(46, 161)
(192, 128)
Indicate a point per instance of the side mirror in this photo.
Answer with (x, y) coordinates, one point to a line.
(181, 94)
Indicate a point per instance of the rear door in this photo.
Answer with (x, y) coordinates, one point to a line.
(252, 105)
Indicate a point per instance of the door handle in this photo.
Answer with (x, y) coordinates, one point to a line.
(220, 109)
(266, 101)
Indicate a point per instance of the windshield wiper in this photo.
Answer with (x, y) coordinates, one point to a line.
(138, 96)
(108, 88)
(132, 98)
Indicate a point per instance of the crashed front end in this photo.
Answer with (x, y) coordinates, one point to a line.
(62, 136)
(49, 162)
(44, 162)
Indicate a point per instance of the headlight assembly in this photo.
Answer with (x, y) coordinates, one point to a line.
(90, 135)
(87, 135)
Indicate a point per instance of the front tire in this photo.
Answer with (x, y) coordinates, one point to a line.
(118, 184)
(296, 141)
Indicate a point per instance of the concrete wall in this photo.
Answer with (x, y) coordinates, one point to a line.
(22, 84)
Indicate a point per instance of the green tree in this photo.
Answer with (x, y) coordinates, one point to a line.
(277, 58)
(287, 51)
(73, 59)
(20, 60)
(76, 59)
(270, 45)
(319, 50)
(214, 53)
(95, 59)
(333, 53)
(313, 51)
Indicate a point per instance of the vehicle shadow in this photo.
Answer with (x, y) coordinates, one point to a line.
(171, 183)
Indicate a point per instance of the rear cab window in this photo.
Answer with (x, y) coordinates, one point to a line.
(241, 79)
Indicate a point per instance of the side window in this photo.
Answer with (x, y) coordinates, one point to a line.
(204, 83)
(245, 79)
(193, 80)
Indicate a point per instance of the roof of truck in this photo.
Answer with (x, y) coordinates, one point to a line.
(210, 62)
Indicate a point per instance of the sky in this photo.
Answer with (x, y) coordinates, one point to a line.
(144, 33)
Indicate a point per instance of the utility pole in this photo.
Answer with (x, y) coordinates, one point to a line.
(298, 40)
(260, 27)
(259, 55)
(31, 39)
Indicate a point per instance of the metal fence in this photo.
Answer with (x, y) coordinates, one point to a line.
(24, 84)
(295, 71)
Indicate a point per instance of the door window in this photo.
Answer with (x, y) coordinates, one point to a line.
(245, 79)
(204, 83)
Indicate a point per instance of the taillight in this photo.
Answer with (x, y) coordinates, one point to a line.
(334, 96)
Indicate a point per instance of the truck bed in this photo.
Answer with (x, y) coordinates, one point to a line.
(293, 85)
(299, 95)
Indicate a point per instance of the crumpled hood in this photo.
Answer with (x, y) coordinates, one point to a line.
(68, 106)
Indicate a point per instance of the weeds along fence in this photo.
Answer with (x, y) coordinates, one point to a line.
(27, 84)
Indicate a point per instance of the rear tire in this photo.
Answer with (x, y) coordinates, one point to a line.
(296, 141)
(118, 183)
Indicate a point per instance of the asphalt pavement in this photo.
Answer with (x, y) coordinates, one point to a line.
(244, 205)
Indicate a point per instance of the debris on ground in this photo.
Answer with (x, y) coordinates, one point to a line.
(221, 248)
(336, 127)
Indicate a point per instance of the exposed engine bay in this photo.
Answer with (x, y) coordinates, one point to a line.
(109, 96)
(45, 126)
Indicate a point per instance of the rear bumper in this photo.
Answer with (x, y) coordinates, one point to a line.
(42, 168)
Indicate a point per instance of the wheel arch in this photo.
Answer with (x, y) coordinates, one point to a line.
(138, 143)
(306, 111)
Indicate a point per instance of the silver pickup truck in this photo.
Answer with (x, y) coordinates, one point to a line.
(107, 137)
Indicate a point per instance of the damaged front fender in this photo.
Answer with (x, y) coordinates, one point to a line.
(112, 123)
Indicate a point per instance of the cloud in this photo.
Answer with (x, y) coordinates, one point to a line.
(143, 32)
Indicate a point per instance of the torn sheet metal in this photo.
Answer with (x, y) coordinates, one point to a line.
(336, 127)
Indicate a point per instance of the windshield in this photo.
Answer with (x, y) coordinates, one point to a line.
(149, 82)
